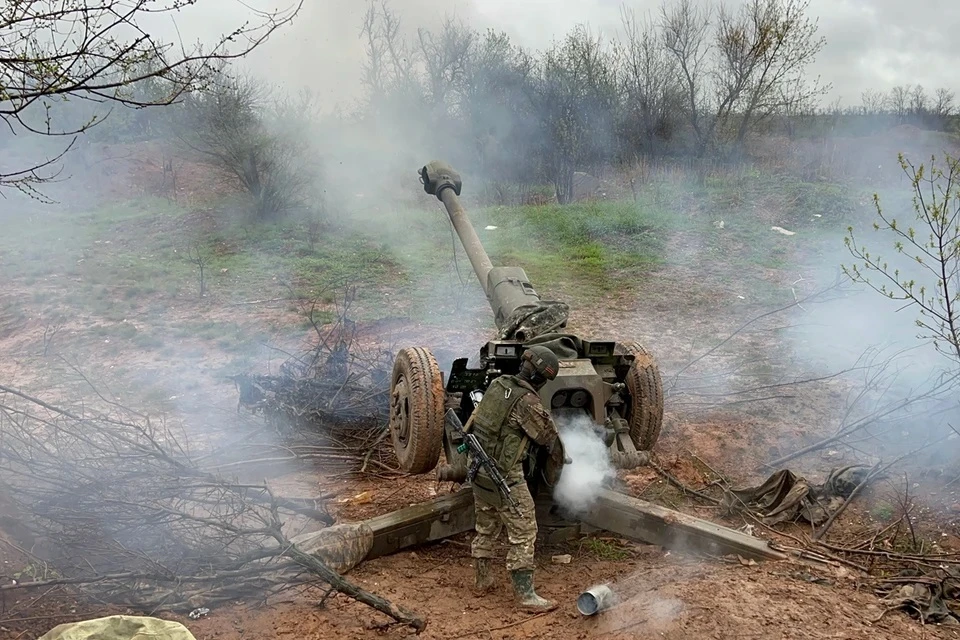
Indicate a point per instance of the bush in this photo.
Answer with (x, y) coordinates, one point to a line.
(264, 142)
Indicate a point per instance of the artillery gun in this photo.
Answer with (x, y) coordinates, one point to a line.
(616, 384)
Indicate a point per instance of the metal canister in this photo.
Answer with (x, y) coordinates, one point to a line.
(595, 599)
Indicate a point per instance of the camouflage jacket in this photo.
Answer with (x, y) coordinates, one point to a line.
(508, 419)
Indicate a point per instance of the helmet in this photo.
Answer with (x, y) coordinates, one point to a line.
(544, 361)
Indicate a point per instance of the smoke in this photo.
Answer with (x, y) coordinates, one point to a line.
(370, 162)
(581, 481)
(630, 601)
(369, 181)
(900, 370)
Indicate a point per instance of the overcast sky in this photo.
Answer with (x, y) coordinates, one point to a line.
(871, 44)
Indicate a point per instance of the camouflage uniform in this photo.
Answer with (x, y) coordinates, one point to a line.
(508, 420)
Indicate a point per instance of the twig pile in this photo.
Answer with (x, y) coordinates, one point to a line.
(118, 505)
(908, 572)
(331, 404)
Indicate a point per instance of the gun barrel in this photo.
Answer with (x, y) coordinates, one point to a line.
(517, 309)
(468, 236)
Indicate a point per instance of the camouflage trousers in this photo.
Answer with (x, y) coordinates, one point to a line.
(521, 529)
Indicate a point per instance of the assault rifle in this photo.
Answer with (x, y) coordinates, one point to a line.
(479, 458)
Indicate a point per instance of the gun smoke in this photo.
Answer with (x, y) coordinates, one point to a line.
(590, 469)
(520, 115)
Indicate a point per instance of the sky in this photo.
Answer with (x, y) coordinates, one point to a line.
(870, 44)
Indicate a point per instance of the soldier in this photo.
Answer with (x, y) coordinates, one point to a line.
(509, 422)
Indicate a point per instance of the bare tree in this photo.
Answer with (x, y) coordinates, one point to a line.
(765, 52)
(872, 102)
(132, 511)
(51, 329)
(96, 50)
(262, 140)
(446, 56)
(796, 105)
(576, 103)
(943, 105)
(198, 256)
(899, 101)
(390, 65)
(919, 101)
(930, 275)
(750, 67)
(648, 82)
(374, 74)
(498, 106)
(685, 29)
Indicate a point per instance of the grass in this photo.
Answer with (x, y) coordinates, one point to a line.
(597, 243)
(882, 512)
(119, 330)
(125, 256)
(316, 317)
(129, 259)
(603, 549)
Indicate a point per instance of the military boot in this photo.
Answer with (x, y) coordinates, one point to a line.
(526, 596)
(484, 574)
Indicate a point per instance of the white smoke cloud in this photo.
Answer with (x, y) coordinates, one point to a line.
(582, 480)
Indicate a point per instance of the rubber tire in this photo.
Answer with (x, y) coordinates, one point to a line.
(645, 404)
(417, 399)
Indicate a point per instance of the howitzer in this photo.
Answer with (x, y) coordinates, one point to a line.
(467, 443)
(616, 384)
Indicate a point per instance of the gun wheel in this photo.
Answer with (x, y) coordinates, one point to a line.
(645, 404)
(416, 409)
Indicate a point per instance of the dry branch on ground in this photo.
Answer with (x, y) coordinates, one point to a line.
(330, 404)
(123, 508)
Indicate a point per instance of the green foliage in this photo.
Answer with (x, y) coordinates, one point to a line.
(575, 89)
(130, 259)
(317, 317)
(35, 571)
(803, 199)
(788, 198)
(599, 242)
(603, 549)
(125, 256)
(926, 266)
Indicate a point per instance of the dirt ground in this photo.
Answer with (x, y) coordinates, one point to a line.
(663, 594)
